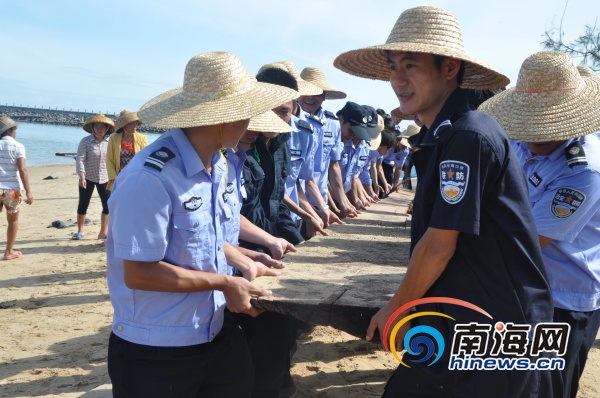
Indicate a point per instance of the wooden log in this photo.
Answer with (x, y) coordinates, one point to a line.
(342, 280)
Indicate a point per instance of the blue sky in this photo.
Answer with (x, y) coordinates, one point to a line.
(112, 55)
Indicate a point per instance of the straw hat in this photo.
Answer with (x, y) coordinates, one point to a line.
(99, 118)
(317, 77)
(7, 123)
(410, 130)
(423, 30)
(376, 142)
(268, 122)
(216, 89)
(401, 116)
(126, 117)
(551, 101)
(584, 71)
(304, 87)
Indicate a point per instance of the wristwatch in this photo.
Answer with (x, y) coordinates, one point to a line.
(322, 210)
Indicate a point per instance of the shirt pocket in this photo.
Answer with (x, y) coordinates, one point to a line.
(231, 222)
(192, 237)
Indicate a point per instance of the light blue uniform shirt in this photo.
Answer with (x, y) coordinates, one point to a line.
(166, 206)
(352, 161)
(395, 158)
(328, 145)
(566, 206)
(365, 173)
(236, 198)
(302, 152)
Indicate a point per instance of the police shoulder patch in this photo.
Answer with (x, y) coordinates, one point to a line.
(305, 125)
(566, 201)
(330, 115)
(454, 179)
(158, 159)
(575, 155)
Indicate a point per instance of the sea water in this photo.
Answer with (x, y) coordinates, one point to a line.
(43, 141)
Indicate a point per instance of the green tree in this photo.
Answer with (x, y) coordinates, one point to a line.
(586, 46)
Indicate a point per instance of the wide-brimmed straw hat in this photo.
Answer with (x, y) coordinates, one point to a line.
(397, 113)
(410, 130)
(126, 117)
(99, 118)
(422, 30)
(317, 77)
(304, 87)
(551, 101)
(7, 123)
(376, 142)
(268, 122)
(216, 89)
(586, 72)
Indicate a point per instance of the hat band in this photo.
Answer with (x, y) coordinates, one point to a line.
(229, 90)
(544, 91)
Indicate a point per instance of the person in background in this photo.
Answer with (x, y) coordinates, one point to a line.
(406, 166)
(92, 171)
(13, 179)
(560, 155)
(123, 145)
(169, 260)
(301, 176)
(379, 148)
(358, 125)
(392, 162)
(328, 147)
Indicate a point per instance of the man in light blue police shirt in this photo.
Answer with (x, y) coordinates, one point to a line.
(168, 258)
(561, 159)
(328, 144)
(357, 127)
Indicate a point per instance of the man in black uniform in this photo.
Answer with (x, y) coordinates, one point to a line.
(472, 237)
(265, 170)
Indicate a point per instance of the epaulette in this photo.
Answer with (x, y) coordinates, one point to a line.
(330, 115)
(576, 155)
(305, 125)
(157, 159)
(314, 117)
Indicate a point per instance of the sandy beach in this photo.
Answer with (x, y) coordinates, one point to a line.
(56, 313)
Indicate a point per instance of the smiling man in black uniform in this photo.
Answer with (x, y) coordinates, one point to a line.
(473, 235)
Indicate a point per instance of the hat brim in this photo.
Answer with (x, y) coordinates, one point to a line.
(404, 141)
(87, 126)
(542, 117)
(375, 142)
(334, 94)
(306, 88)
(371, 63)
(122, 122)
(401, 116)
(361, 132)
(10, 126)
(268, 122)
(171, 110)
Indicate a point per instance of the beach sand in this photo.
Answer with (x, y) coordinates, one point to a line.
(56, 313)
